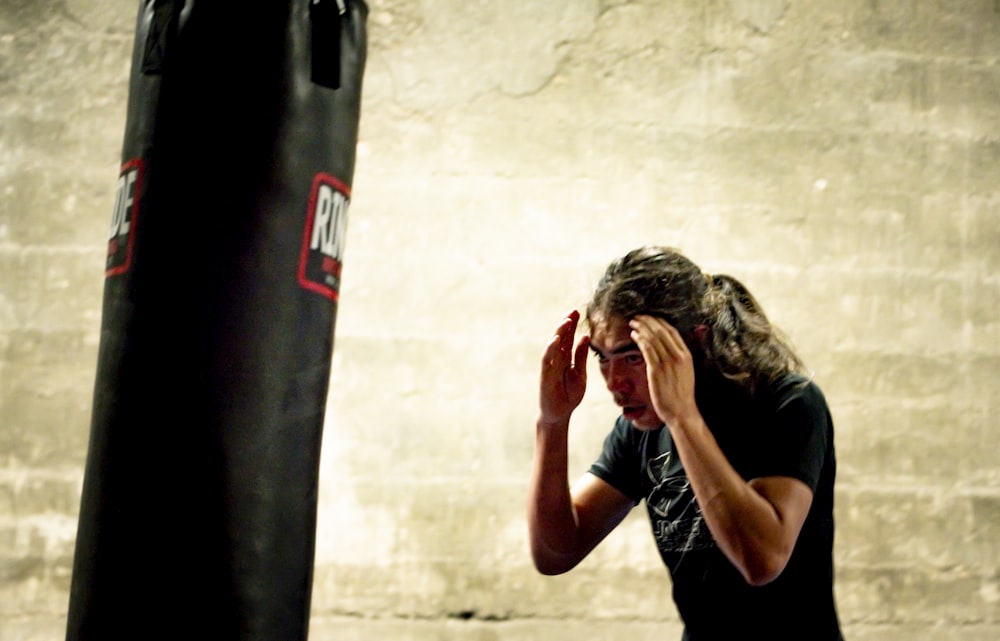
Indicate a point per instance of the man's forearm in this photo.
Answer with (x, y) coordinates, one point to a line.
(745, 525)
(552, 524)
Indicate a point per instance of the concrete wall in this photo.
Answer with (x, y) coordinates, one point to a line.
(840, 156)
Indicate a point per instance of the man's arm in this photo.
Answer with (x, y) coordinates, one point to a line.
(755, 523)
(564, 525)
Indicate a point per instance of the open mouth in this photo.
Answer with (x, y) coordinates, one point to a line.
(632, 411)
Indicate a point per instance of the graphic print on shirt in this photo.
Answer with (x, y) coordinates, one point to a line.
(678, 524)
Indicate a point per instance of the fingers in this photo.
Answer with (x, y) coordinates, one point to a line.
(567, 330)
(560, 347)
(564, 372)
(661, 345)
(659, 339)
(642, 334)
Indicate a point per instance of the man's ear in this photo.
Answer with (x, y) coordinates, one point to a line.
(701, 334)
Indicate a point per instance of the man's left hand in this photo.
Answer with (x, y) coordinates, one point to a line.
(669, 368)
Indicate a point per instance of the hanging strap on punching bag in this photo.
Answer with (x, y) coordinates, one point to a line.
(326, 23)
(163, 23)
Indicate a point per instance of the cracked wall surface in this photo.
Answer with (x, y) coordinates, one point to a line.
(840, 156)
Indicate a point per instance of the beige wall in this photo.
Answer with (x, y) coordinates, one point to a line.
(840, 156)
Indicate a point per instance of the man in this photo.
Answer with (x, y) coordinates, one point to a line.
(730, 446)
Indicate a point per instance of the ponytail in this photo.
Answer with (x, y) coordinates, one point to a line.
(742, 342)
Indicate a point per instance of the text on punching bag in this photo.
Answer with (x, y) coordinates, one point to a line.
(323, 246)
(121, 236)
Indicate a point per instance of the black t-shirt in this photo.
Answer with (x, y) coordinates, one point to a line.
(785, 430)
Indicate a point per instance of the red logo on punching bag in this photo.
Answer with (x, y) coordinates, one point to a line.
(323, 241)
(121, 236)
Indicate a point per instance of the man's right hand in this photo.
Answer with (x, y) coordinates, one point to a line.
(564, 374)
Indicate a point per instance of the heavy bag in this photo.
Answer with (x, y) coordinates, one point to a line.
(198, 508)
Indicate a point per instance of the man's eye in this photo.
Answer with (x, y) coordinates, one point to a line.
(634, 359)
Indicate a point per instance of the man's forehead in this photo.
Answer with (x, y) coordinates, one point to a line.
(611, 336)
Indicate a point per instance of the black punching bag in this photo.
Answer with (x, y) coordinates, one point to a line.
(198, 511)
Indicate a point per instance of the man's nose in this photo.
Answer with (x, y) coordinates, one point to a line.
(616, 378)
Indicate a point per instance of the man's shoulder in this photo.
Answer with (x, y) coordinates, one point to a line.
(794, 386)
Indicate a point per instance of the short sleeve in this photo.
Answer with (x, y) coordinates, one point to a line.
(800, 433)
(620, 462)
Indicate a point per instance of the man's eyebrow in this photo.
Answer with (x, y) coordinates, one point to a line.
(621, 349)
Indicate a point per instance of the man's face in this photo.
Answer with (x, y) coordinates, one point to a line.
(624, 371)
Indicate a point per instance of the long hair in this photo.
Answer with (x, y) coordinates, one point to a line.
(740, 343)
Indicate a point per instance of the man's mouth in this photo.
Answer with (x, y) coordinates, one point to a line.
(631, 411)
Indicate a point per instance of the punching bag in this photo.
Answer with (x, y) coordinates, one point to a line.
(198, 510)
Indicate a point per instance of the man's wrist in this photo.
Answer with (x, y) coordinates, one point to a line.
(688, 422)
(550, 424)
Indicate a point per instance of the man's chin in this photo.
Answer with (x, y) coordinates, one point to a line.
(642, 420)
